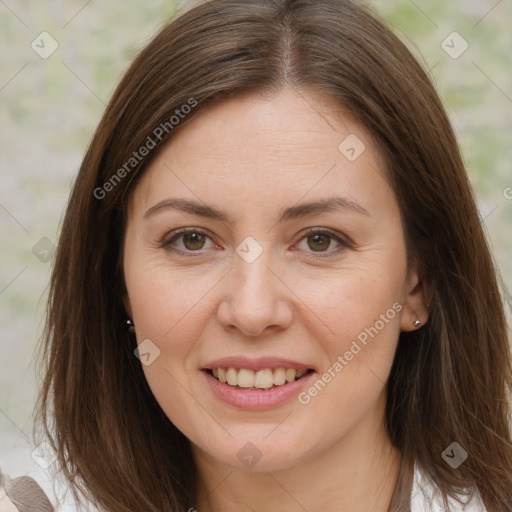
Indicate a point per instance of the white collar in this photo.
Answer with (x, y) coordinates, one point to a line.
(426, 497)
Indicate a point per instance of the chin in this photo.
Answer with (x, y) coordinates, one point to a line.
(258, 452)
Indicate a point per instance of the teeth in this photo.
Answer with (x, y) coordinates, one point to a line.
(290, 375)
(261, 379)
(232, 377)
(279, 376)
(246, 378)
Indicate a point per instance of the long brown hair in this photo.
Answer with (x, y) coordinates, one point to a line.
(451, 379)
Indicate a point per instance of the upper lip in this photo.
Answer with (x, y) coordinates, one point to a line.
(255, 364)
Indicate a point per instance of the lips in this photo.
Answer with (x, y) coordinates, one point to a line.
(256, 383)
(255, 364)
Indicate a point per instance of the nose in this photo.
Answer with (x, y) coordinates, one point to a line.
(256, 298)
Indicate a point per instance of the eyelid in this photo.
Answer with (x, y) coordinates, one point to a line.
(328, 231)
(343, 240)
(176, 234)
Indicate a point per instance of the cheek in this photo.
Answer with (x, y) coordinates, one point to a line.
(170, 308)
(337, 310)
(357, 327)
(362, 296)
(165, 299)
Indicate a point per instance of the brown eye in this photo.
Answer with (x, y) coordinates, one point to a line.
(188, 241)
(193, 241)
(319, 242)
(323, 243)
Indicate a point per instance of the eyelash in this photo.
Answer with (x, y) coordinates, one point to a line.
(309, 231)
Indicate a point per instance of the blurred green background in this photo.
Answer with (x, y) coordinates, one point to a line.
(50, 107)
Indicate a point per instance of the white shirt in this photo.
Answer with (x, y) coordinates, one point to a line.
(426, 497)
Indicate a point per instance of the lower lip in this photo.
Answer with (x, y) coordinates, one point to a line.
(256, 399)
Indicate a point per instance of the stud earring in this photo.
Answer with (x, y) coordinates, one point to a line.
(416, 323)
(130, 326)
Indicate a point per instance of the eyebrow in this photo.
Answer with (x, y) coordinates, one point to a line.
(332, 203)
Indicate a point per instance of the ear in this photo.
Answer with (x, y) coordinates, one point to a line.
(416, 299)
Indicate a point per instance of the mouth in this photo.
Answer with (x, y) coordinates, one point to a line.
(265, 379)
(256, 383)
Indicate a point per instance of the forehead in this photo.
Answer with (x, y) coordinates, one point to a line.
(265, 149)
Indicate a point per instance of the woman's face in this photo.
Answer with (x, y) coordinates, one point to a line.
(269, 282)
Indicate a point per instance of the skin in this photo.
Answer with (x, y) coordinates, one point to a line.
(252, 156)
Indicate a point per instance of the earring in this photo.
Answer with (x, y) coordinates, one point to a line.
(130, 326)
(416, 323)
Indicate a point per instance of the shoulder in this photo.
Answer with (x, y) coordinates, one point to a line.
(426, 497)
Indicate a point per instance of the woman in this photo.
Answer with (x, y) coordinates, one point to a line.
(275, 206)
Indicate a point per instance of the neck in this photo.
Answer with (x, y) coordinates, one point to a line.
(357, 474)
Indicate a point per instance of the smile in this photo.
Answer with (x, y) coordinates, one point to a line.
(266, 378)
(256, 384)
